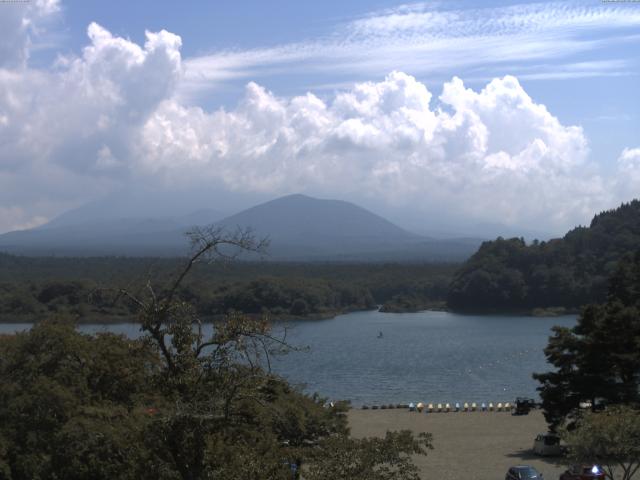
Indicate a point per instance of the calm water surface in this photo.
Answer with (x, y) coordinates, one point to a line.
(426, 356)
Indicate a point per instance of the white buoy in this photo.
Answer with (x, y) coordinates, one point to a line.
(420, 406)
(473, 407)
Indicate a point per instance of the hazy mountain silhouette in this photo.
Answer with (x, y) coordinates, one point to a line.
(299, 228)
(311, 221)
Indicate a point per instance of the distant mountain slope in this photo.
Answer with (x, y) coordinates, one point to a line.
(300, 228)
(568, 272)
(306, 228)
(322, 226)
(303, 216)
(138, 205)
(119, 236)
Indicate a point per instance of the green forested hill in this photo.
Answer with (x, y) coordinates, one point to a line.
(508, 274)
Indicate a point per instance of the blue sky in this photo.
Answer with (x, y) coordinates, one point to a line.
(520, 113)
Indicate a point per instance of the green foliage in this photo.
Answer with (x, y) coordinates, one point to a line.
(76, 406)
(598, 360)
(410, 302)
(68, 400)
(610, 438)
(31, 288)
(173, 404)
(568, 272)
(388, 458)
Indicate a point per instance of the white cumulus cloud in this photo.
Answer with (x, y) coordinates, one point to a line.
(66, 131)
(493, 154)
(628, 178)
(111, 117)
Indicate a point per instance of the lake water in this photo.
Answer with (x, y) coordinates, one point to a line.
(426, 356)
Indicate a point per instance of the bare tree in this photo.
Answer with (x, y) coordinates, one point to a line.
(175, 328)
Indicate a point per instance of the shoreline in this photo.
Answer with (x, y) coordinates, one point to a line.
(314, 317)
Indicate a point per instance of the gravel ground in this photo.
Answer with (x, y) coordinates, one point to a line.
(467, 445)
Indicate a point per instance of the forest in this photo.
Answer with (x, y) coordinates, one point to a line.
(569, 272)
(87, 288)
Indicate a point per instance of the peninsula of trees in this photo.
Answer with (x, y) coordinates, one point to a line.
(569, 272)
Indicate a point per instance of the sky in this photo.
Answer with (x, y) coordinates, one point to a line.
(438, 115)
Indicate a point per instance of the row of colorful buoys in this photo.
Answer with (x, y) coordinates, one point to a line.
(389, 406)
(457, 407)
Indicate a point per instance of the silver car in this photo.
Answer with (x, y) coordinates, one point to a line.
(547, 444)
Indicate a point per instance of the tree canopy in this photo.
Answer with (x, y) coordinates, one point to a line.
(610, 438)
(598, 360)
(568, 272)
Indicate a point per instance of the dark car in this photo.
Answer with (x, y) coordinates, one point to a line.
(583, 472)
(523, 472)
(522, 406)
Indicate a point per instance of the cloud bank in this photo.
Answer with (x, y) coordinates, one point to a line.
(111, 117)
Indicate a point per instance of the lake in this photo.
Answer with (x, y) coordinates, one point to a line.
(425, 356)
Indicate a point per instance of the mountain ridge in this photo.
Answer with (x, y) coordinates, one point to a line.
(300, 227)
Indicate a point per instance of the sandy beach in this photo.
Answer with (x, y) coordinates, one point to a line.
(467, 445)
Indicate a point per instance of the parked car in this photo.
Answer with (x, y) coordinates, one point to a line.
(523, 472)
(547, 444)
(583, 472)
(523, 406)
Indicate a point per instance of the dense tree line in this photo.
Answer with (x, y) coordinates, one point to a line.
(84, 288)
(567, 272)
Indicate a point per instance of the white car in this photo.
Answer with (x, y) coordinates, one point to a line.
(547, 444)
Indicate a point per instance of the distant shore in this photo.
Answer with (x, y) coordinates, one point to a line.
(105, 319)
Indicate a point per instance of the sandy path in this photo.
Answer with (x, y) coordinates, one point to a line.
(467, 446)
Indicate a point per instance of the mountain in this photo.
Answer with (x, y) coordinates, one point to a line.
(299, 228)
(79, 235)
(140, 204)
(305, 228)
(121, 236)
(311, 225)
(509, 274)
